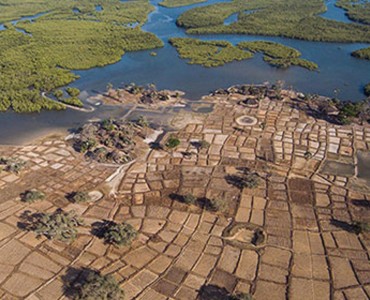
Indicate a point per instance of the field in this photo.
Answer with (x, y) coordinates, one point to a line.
(58, 42)
(218, 53)
(291, 18)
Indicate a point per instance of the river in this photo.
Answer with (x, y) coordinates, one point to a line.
(339, 73)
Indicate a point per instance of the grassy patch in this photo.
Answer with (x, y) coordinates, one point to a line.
(278, 55)
(291, 18)
(208, 53)
(178, 3)
(362, 53)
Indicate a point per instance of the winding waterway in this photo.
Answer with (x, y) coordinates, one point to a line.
(339, 73)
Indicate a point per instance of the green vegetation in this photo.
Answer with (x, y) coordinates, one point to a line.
(216, 204)
(119, 234)
(58, 94)
(278, 54)
(291, 18)
(79, 197)
(178, 3)
(74, 101)
(208, 53)
(172, 142)
(73, 92)
(97, 287)
(348, 111)
(218, 53)
(59, 225)
(367, 89)
(241, 296)
(189, 199)
(362, 53)
(114, 11)
(360, 227)
(60, 41)
(357, 10)
(204, 144)
(12, 165)
(32, 196)
(109, 141)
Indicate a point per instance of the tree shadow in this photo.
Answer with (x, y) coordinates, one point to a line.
(235, 180)
(361, 203)
(201, 202)
(349, 227)
(213, 292)
(99, 228)
(28, 219)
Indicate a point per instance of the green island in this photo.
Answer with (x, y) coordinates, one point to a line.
(218, 53)
(362, 53)
(208, 53)
(178, 3)
(278, 55)
(356, 10)
(291, 18)
(40, 59)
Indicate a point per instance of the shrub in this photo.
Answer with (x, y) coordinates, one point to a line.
(119, 234)
(80, 197)
(98, 287)
(361, 227)
(172, 142)
(73, 92)
(59, 225)
(241, 296)
(108, 125)
(250, 180)
(204, 144)
(189, 199)
(12, 165)
(86, 145)
(58, 94)
(307, 155)
(32, 196)
(216, 204)
(74, 101)
(142, 121)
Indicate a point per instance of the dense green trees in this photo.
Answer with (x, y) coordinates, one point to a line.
(218, 53)
(208, 53)
(290, 18)
(36, 63)
(278, 55)
(356, 10)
